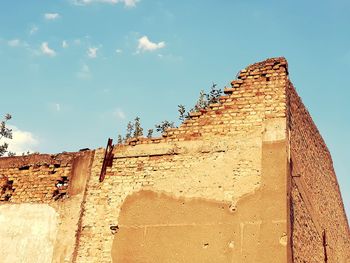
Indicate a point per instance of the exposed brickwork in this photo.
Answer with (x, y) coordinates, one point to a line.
(35, 178)
(313, 175)
(216, 154)
(307, 243)
(56, 180)
(253, 96)
(190, 174)
(232, 155)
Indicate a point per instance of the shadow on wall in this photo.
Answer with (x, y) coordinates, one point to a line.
(157, 227)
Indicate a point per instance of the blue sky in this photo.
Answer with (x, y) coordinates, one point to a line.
(74, 72)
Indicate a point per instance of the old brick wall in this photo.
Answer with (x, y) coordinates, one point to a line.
(247, 175)
(33, 178)
(320, 231)
(52, 185)
(230, 157)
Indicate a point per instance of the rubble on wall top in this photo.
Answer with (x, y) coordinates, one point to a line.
(63, 158)
(268, 62)
(267, 70)
(264, 67)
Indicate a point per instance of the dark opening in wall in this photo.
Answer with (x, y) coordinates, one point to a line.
(55, 166)
(25, 167)
(7, 190)
(61, 188)
(265, 76)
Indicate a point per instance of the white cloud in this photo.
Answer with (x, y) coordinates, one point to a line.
(64, 44)
(58, 107)
(92, 52)
(118, 51)
(127, 3)
(14, 42)
(130, 3)
(51, 16)
(21, 142)
(18, 43)
(146, 45)
(55, 107)
(84, 72)
(46, 50)
(119, 114)
(33, 30)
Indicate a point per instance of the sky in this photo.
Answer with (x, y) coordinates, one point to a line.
(74, 72)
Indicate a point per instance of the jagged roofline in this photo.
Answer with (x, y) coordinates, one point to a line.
(264, 68)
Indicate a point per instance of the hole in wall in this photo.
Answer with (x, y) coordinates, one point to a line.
(114, 229)
(25, 167)
(61, 188)
(6, 190)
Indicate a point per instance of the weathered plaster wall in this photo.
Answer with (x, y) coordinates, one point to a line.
(158, 227)
(41, 203)
(317, 206)
(214, 160)
(249, 179)
(27, 233)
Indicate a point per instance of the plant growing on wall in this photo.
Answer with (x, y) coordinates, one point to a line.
(164, 125)
(203, 101)
(120, 139)
(182, 112)
(149, 133)
(134, 129)
(138, 130)
(129, 130)
(5, 132)
(214, 94)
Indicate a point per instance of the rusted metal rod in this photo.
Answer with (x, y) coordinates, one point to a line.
(107, 160)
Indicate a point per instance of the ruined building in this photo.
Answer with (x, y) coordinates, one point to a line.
(248, 179)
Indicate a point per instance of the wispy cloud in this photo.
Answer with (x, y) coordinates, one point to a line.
(14, 43)
(18, 43)
(119, 114)
(33, 30)
(170, 57)
(51, 16)
(118, 51)
(127, 3)
(144, 44)
(130, 3)
(77, 41)
(64, 44)
(58, 106)
(84, 72)
(22, 141)
(55, 107)
(92, 52)
(46, 50)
